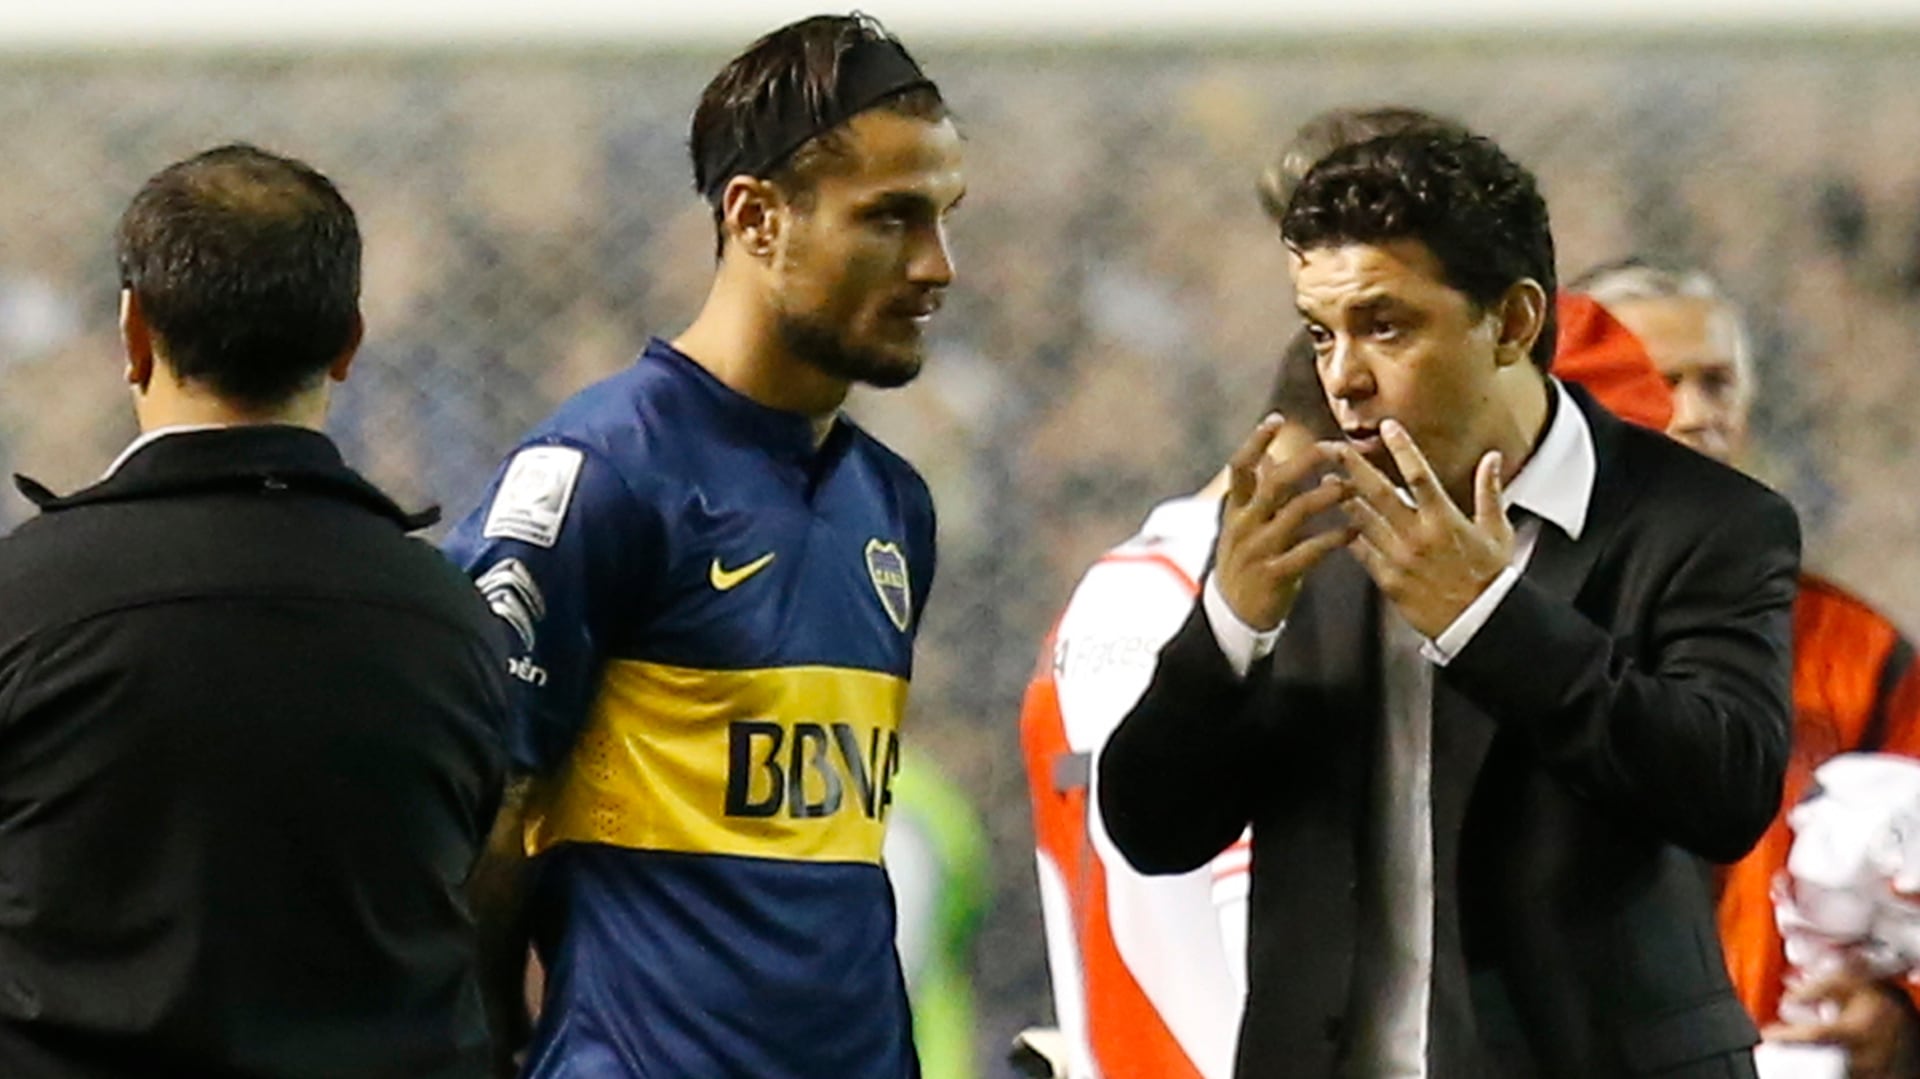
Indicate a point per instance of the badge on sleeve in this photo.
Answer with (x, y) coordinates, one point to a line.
(510, 591)
(532, 501)
(888, 568)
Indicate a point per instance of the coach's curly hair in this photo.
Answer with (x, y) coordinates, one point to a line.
(1459, 195)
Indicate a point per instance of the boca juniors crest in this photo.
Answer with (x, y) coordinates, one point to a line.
(888, 568)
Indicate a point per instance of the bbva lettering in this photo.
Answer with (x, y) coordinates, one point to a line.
(769, 766)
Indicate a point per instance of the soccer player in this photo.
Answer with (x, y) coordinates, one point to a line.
(715, 579)
(1855, 684)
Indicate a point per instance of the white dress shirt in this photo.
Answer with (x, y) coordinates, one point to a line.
(1555, 486)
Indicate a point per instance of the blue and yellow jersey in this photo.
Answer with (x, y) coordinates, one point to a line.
(716, 621)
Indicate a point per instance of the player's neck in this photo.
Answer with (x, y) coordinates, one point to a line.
(736, 342)
(165, 402)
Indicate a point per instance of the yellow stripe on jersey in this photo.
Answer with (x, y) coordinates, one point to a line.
(792, 763)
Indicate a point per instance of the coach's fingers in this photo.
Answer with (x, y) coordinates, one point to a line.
(1488, 510)
(1283, 529)
(1383, 534)
(1373, 487)
(1422, 484)
(1241, 466)
(1292, 564)
(1378, 566)
(1275, 482)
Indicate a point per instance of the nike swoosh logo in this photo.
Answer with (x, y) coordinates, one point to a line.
(726, 579)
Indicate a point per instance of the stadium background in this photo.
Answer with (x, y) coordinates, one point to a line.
(1120, 299)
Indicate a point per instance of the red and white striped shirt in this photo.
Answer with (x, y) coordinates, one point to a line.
(1149, 973)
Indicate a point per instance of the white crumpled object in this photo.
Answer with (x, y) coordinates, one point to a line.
(1850, 892)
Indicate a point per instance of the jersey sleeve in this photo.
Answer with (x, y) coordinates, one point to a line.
(926, 527)
(559, 547)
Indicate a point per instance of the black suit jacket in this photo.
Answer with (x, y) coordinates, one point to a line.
(251, 743)
(1620, 720)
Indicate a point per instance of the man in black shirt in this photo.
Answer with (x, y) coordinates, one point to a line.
(250, 733)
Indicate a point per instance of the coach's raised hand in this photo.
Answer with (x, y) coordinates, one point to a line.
(1429, 559)
(1261, 554)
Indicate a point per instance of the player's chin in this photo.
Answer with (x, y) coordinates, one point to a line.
(892, 371)
(893, 362)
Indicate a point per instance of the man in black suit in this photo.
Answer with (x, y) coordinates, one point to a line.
(250, 732)
(1491, 724)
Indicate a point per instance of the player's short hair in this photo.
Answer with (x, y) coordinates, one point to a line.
(1477, 210)
(777, 111)
(1638, 277)
(1296, 390)
(246, 265)
(1333, 129)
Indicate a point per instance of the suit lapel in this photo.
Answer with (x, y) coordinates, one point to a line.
(1560, 565)
(1463, 737)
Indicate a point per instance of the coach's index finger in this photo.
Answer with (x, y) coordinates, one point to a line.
(1422, 484)
(1242, 466)
(1372, 486)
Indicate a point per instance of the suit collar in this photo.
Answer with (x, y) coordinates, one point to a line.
(265, 457)
(1561, 562)
(1557, 482)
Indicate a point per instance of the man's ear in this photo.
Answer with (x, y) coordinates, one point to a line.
(754, 212)
(338, 370)
(1523, 317)
(136, 341)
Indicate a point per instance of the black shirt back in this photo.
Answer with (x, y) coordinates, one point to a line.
(250, 746)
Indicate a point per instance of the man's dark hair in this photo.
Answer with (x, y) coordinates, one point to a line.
(1460, 196)
(1333, 129)
(1296, 392)
(247, 268)
(800, 72)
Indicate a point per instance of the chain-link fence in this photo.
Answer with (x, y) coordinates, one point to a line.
(1119, 304)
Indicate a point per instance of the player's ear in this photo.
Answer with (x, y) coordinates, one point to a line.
(136, 340)
(337, 371)
(753, 212)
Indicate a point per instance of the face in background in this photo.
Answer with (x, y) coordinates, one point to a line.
(1695, 342)
(1392, 340)
(863, 262)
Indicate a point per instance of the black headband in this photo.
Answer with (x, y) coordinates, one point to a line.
(870, 72)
